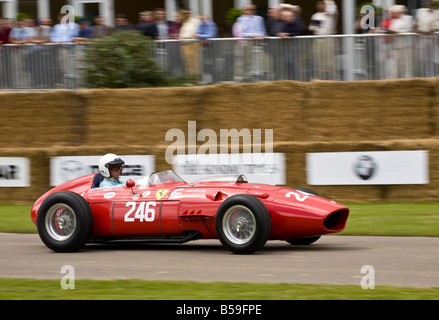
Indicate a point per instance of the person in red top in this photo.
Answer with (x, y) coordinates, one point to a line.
(5, 30)
(5, 65)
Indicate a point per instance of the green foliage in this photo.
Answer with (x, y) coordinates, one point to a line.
(22, 16)
(232, 15)
(122, 60)
(136, 289)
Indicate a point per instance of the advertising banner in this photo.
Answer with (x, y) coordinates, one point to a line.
(14, 172)
(63, 169)
(257, 167)
(367, 168)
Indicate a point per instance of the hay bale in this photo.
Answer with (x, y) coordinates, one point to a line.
(276, 105)
(40, 119)
(137, 116)
(370, 110)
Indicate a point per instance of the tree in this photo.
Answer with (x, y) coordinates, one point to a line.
(123, 59)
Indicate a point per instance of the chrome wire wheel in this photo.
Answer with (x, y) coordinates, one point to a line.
(239, 224)
(60, 222)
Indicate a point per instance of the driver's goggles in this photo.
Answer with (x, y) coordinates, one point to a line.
(115, 168)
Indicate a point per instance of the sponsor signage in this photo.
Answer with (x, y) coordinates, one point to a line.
(266, 168)
(14, 172)
(63, 169)
(367, 168)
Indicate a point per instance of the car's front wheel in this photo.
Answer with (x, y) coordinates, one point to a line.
(64, 221)
(243, 224)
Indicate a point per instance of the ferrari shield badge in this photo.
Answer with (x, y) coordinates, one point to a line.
(161, 193)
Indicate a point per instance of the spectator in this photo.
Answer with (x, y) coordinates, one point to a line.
(427, 22)
(42, 32)
(292, 26)
(100, 29)
(85, 32)
(146, 24)
(38, 57)
(252, 25)
(189, 26)
(5, 55)
(206, 29)
(161, 25)
(46, 23)
(249, 25)
(324, 22)
(122, 23)
(189, 49)
(64, 32)
(5, 30)
(401, 54)
(175, 26)
(274, 22)
(24, 33)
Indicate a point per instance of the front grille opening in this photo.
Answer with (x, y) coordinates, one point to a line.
(336, 220)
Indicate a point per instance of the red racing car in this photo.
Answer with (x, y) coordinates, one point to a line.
(164, 208)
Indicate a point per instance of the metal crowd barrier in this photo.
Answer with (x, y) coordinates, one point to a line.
(303, 58)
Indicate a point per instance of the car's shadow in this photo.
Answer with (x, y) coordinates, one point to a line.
(200, 246)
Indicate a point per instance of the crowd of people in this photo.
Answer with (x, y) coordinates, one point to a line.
(151, 23)
(284, 21)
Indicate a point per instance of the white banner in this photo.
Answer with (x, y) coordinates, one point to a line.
(257, 167)
(367, 168)
(63, 169)
(14, 172)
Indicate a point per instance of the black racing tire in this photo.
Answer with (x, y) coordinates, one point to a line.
(243, 224)
(65, 221)
(303, 241)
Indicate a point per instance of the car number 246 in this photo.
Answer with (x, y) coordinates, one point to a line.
(143, 211)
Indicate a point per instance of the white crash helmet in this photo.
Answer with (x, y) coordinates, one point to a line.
(108, 160)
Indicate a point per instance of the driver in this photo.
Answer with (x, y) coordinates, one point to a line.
(110, 166)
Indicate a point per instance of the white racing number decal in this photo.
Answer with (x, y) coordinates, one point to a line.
(297, 196)
(144, 212)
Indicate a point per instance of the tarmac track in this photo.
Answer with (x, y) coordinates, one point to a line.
(399, 261)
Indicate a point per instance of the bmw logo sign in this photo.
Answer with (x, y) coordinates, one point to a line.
(365, 167)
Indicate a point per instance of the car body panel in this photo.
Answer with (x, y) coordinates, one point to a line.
(174, 208)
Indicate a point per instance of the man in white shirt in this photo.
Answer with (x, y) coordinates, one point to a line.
(252, 25)
(401, 54)
(427, 22)
(189, 49)
(324, 22)
(249, 58)
(64, 32)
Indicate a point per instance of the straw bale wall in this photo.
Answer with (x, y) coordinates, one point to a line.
(320, 116)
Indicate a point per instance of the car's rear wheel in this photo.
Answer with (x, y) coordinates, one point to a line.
(64, 221)
(243, 224)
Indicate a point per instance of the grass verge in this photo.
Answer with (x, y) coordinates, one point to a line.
(383, 219)
(28, 289)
